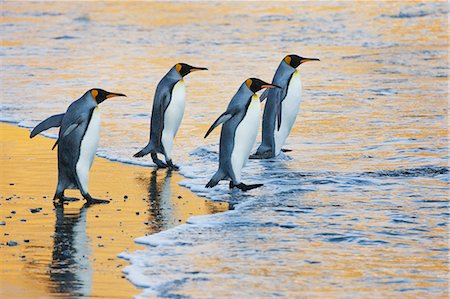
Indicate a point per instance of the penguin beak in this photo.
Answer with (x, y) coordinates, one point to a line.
(194, 69)
(112, 94)
(308, 59)
(270, 86)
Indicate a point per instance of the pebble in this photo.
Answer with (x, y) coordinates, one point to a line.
(2, 223)
(125, 196)
(35, 210)
(12, 243)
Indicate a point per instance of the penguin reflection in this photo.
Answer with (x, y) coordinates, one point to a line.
(160, 210)
(70, 270)
(162, 203)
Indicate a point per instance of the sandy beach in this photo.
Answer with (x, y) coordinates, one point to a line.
(72, 250)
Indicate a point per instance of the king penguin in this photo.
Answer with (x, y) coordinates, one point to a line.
(239, 130)
(167, 112)
(77, 142)
(281, 108)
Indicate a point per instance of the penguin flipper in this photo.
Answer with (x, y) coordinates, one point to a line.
(279, 112)
(70, 129)
(264, 95)
(223, 118)
(160, 104)
(51, 122)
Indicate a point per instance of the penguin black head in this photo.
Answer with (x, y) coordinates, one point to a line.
(99, 95)
(255, 84)
(295, 60)
(183, 69)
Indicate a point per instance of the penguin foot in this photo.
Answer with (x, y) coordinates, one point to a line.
(94, 201)
(255, 156)
(61, 198)
(172, 166)
(91, 201)
(244, 187)
(66, 198)
(285, 150)
(265, 155)
(159, 163)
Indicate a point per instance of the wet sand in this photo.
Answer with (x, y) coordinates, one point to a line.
(72, 250)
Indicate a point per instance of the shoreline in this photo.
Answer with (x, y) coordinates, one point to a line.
(72, 250)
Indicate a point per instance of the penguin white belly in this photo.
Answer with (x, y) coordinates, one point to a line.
(88, 148)
(245, 137)
(289, 111)
(172, 117)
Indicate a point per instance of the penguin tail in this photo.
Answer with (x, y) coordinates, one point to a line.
(145, 151)
(217, 177)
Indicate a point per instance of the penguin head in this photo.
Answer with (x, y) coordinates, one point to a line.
(255, 84)
(183, 69)
(295, 60)
(99, 95)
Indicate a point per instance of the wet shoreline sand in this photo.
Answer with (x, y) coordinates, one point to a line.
(72, 250)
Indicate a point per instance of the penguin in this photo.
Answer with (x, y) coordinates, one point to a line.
(77, 142)
(281, 108)
(239, 130)
(167, 112)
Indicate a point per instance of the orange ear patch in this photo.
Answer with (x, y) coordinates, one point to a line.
(248, 82)
(178, 67)
(94, 93)
(288, 59)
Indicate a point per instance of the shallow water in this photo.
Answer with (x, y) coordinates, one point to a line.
(358, 208)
